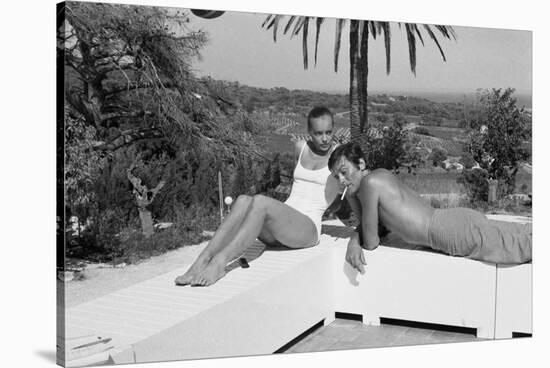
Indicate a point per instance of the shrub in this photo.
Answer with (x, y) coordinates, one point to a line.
(399, 119)
(385, 148)
(189, 200)
(382, 118)
(188, 228)
(467, 160)
(437, 156)
(524, 188)
(437, 203)
(498, 129)
(476, 183)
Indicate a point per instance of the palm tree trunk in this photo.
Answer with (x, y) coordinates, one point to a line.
(359, 70)
(362, 73)
(354, 114)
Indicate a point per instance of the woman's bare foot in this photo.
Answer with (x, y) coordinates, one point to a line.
(212, 273)
(195, 269)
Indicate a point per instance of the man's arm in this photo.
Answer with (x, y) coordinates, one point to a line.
(356, 208)
(369, 196)
(354, 252)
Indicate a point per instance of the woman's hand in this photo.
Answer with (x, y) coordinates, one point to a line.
(355, 256)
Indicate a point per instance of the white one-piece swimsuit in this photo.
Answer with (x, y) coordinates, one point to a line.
(308, 192)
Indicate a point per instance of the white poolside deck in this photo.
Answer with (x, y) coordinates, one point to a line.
(285, 292)
(156, 320)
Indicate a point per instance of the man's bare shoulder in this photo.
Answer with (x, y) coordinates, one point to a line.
(378, 177)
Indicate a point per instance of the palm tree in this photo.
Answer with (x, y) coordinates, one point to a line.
(359, 32)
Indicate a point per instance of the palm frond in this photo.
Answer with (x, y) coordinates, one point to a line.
(434, 38)
(275, 25)
(418, 33)
(372, 29)
(290, 21)
(304, 41)
(412, 46)
(266, 20)
(447, 31)
(338, 41)
(444, 31)
(318, 23)
(451, 31)
(298, 26)
(273, 20)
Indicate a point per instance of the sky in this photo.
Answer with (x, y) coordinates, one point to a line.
(240, 50)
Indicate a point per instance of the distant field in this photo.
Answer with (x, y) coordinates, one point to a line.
(452, 148)
(413, 119)
(450, 123)
(342, 121)
(445, 182)
(446, 132)
(433, 183)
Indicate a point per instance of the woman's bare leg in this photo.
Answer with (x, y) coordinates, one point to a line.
(266, 218)
(223, 235)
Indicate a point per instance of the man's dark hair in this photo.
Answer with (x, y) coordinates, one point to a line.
(317, 112)
(351, 151)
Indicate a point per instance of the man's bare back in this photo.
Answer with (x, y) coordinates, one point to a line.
(399, 208)
(379, 196)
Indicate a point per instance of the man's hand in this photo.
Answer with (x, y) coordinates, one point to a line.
(355, 256)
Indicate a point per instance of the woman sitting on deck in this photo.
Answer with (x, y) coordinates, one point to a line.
(296, 223)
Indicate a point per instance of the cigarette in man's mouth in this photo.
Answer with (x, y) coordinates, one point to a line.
(343, 193)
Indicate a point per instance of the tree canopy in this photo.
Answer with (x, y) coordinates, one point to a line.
(132, 102)
(128, 75)
(498, 136)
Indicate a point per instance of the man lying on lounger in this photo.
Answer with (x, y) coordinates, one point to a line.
(380, 195)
